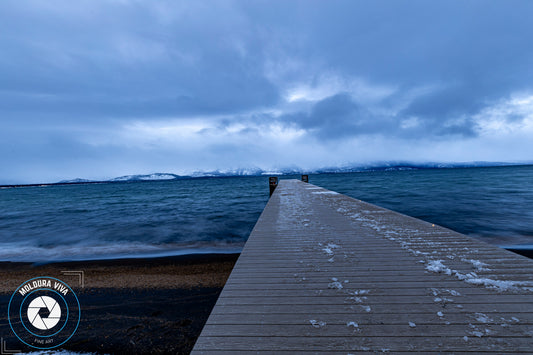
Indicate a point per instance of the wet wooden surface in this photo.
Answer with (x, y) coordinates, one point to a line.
(326, 273)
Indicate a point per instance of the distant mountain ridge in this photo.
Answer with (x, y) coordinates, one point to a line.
(389, 166)
(147, 177)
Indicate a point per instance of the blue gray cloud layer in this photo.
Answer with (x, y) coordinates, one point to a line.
(104, 88)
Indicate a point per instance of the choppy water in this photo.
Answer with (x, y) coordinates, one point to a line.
(94, 221)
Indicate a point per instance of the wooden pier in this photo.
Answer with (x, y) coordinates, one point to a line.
(325, 273)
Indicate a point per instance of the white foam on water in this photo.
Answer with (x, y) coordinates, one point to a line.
(55, 352)
(117, 250)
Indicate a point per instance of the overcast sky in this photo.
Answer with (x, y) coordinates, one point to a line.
(98, 89)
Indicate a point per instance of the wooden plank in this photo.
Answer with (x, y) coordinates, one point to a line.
(366, 299)
(352, 327)
(493, 318)
(391, 344)
(385, 308)
(354, 266)
(361, 271)
(326, 276)
(368, 284)
(332, 352)
(458, 293)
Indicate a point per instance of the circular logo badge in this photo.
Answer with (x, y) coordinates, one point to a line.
(44, 312)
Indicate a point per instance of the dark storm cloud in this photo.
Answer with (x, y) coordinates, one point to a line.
(124, 60)
(338, 117)
(82, 80)
(446, 111)
(476, 52)
(480, 42)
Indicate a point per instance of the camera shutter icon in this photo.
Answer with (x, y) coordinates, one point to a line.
(34, 314)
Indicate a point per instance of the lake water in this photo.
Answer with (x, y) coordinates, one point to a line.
(113, 220)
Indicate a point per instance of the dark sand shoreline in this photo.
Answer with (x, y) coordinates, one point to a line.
(140, 306)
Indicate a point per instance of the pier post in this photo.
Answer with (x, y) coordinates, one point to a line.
(272, 182)
(305, 178)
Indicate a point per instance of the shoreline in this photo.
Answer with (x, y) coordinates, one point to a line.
(140, 306)
(181, 271)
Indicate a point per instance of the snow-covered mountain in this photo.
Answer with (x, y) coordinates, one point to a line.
(147, 177)
(254, 171)
(77, 181)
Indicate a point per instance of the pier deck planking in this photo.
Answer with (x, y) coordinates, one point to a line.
(325, 273)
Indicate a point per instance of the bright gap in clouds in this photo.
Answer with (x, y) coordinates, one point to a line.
(192, 133)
